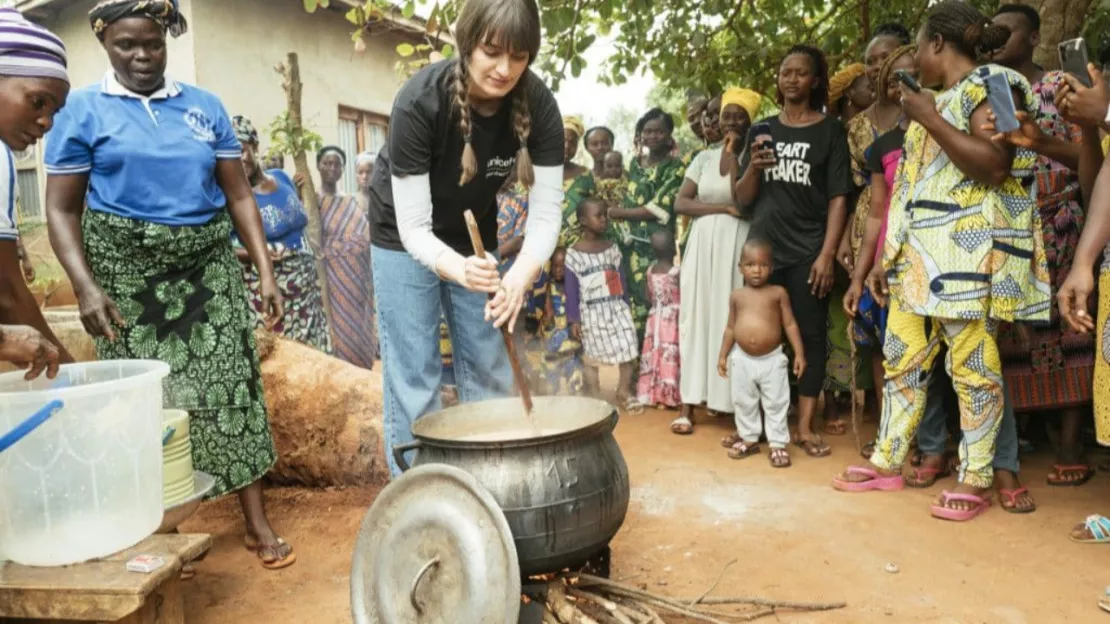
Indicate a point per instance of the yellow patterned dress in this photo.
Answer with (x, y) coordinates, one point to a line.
(960, 256)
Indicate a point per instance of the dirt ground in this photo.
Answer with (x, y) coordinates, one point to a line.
(694, 510)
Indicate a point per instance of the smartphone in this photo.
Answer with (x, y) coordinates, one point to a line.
(905, 77)
(763, 131)
(1001, 100)
(1073, 59)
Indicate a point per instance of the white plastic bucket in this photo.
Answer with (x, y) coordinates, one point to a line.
(86, 483)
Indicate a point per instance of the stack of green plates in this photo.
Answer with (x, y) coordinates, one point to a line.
(177, 458)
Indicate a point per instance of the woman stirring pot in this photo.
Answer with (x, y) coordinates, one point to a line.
(458, 128)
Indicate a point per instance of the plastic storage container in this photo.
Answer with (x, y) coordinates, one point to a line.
(88, 482)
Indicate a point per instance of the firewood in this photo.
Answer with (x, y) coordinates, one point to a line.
(608, 605)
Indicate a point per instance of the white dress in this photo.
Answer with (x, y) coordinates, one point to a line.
(709, 275)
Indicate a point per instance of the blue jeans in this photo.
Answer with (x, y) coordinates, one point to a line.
(932, 434)
(410, 299)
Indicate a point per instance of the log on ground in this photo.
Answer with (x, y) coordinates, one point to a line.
(325, 415)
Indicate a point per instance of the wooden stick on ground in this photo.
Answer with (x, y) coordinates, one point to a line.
(717, 582)
(778, 604)
(510, 346)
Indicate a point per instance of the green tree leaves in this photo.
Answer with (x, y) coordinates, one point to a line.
(701, 44)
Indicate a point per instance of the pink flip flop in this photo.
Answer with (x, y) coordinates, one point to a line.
(943, 512)
(875, 481)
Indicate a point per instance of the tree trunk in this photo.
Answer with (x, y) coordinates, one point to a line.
(1060, 20)
(291, 83)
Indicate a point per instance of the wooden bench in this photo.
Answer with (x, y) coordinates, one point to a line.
(103, 590)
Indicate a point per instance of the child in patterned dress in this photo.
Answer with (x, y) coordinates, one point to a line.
(659, 364)
(597, 303)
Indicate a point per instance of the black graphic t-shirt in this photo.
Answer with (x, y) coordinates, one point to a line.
(792, 208)
(424, 138)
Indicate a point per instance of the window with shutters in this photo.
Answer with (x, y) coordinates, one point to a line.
(359, 131)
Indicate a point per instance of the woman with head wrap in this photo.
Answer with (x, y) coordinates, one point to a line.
(284, 221)
(159, 166)
(850, 92)
(33, 86)
(364, 168)
(578, 181)
(711, 256)
(346, 233)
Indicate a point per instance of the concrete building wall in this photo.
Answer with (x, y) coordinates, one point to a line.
(239, 42)
(231, 49)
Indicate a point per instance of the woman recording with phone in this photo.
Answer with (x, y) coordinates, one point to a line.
(796, 181)
(963, 252)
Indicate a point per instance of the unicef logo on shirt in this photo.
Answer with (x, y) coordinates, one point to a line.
(201, 124)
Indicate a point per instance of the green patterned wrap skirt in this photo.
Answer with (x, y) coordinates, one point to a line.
(180, 291)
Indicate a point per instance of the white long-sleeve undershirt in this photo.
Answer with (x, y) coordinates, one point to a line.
(412, 204)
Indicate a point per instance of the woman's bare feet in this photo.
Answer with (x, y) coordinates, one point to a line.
(274, 552)
(962, 505)
(1011, 495)
(856, 477)
(928, 471)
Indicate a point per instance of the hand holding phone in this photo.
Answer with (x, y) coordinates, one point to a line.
(763, 146)
(905, 77)
(1073, 59)
(1001, 100)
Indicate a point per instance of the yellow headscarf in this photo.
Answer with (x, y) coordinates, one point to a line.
(574, 123)
(745, 98)
(843, 79)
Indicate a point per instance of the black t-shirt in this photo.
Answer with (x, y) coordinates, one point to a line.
(424, 137)
(791, 210)
(889, 142)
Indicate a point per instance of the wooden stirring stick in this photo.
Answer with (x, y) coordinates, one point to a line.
(510, 346)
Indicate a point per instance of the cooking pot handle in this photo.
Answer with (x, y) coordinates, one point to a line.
(399, 453)
(416, 583)
(22, 429)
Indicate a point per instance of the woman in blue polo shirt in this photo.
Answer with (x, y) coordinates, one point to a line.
(158, 164)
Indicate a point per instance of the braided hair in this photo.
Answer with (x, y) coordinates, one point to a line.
(819, 95)
(961, 25)
(512, 25)
(887, 68)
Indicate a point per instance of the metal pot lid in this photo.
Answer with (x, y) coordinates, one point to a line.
(435, 548)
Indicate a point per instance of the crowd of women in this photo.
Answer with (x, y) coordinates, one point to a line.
(984, 230)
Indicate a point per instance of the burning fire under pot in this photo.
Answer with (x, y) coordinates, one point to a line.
(493, 497)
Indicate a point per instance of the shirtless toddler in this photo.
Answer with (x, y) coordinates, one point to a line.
(752, 356)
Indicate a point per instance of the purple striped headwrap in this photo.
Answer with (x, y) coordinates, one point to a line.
(27, 49)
